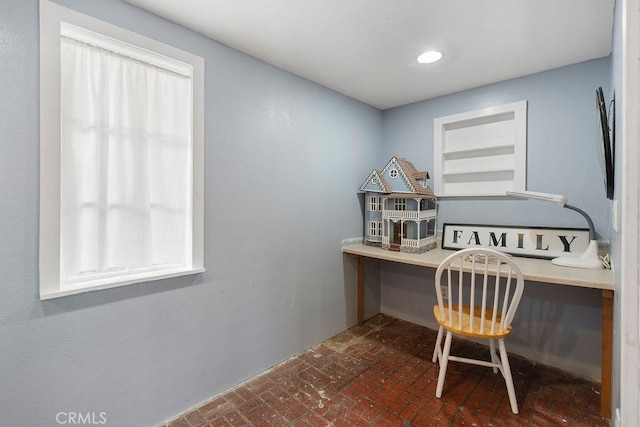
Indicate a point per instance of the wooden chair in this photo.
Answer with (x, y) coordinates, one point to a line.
(479, 303)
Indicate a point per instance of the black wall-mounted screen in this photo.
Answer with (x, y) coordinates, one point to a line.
(607, 151)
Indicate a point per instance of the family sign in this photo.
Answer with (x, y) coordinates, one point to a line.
(534, 242)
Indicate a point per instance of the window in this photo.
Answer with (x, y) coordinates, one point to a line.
(427, 204)
(375, 228)
(400, 204)
(373, 203)
(393, 173)
(121, 151)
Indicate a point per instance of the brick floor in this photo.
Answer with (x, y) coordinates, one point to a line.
(381, 374)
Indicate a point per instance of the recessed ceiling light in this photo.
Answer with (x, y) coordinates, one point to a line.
(429, 57)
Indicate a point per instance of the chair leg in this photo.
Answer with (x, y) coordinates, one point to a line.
(506, 371)
(437, 348)
(443, 364)
(494, 357)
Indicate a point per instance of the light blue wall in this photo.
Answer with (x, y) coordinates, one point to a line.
(280, 149)
(562, 146)
(284, 160)
(559, 326)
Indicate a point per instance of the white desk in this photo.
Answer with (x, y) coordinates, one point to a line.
(537, 270)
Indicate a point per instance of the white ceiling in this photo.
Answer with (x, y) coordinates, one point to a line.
(367, 49)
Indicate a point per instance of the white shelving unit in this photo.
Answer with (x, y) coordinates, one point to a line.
(481, 152)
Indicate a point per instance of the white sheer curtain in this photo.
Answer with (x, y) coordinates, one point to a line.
(125, 164)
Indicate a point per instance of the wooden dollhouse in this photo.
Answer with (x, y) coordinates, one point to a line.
(400, 208)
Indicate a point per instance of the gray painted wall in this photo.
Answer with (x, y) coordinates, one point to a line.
(284, 160)
(559, 326)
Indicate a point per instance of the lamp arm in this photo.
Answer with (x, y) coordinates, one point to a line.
(592, 230)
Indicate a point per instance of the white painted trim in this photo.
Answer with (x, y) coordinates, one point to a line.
(118, 46)
(52, 16)
(628, 280)
(463, 169)
(49, 255)
(130, 280)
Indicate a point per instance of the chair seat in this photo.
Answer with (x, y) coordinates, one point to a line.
(465, 328)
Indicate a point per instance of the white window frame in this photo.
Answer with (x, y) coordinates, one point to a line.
(375, 228)
(399, 204)
(375, 203)
(51, 18)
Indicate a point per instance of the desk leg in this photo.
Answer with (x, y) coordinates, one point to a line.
(360, 290)
(607, 351)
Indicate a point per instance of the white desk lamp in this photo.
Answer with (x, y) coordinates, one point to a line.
(589, 259)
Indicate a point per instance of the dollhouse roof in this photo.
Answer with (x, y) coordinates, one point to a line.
(407, 185)
(428, 194)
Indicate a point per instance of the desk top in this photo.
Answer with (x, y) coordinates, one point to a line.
(533, 269)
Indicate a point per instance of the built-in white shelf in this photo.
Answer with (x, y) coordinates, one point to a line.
(477, 171)
(481, 152)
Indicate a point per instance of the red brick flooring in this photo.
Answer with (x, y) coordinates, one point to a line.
(381, 374)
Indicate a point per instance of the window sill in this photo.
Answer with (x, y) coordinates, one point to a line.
(115, 283)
